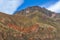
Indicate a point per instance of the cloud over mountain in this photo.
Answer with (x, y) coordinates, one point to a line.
(10, 6)
(55, 7)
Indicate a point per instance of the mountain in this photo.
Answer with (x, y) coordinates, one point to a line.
(32, 23)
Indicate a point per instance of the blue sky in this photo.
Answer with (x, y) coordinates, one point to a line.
(43, 3)
(10, 6)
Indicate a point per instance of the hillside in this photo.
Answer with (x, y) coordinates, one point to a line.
(32, 23)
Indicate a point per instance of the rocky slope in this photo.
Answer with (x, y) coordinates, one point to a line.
(33, 23)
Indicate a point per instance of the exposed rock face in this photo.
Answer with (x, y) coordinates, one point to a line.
(33, 23)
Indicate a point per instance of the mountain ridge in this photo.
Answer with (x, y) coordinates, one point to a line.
(33, 23)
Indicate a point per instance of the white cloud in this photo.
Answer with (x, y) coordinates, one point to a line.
(9, 6)
(55, 7)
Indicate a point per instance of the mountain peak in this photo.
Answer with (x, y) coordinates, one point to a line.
(29, 9)
(34, 9)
